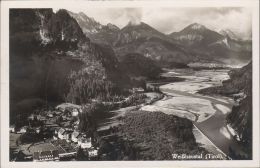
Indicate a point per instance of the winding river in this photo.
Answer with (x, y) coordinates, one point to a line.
(208, 113)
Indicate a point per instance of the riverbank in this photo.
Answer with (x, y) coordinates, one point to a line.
(208, 113)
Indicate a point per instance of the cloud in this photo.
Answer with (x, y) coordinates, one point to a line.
(134, 15)
(169, 20)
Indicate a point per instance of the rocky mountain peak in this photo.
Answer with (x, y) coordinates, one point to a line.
(112, 27)
(88, 25)
(196, 26)
(229, 34)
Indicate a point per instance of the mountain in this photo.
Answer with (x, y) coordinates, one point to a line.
(88, 25)
(196, 35)
(107, 35)
(147, 41)
(214, 46)
(229, 33)
(111, 27)
(132, 32)
(98, 33)
(51, 60)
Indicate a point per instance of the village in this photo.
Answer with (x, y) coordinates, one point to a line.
(52, 135)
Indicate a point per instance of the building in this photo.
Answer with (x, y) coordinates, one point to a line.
(23, 130)
(84, 142)
(137, 90)
(92, 152)
(50, 115)
(55, 137)
(12, 128)
(68, 106)
(46, 156)
(61, 133)
(75, 136)
(65, 149)
(75, 112)
(56, 130)
(67, 135)
(49, 151)
(38, 130)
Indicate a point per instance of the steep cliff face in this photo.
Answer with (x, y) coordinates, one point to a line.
(240, 119)
(87, 24)
(98, 33)
(241, 116)
(36, 42)
(49, 54)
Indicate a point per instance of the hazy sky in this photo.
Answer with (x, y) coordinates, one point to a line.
(168, 20)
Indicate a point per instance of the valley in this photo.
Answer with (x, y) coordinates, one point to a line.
(132, 93)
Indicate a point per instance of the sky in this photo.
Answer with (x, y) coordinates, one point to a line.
(168, 20)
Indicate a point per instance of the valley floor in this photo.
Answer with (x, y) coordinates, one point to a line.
(208, 113)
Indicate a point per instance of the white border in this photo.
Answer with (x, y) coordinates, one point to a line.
(254, 4)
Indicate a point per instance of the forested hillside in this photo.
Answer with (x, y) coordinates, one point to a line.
(51, 60)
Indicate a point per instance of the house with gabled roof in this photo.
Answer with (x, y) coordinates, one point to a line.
(46, 156)
(12, 128)
(23, 129)
(61, 133)
(92, 152)
(75, 136)
(84, 142)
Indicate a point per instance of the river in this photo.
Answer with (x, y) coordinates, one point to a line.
(208, 113)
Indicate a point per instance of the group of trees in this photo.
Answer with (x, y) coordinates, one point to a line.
(82, 155)
(170, 135)
(237, 156)
(90, 116)
(84, 87)
(116, 148)
(133, 100)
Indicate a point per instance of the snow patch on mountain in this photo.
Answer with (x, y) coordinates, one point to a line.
(197, 26)
(190, 37)
(229, 33)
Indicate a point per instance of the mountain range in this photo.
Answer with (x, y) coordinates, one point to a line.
(71, 57)
(194, 43)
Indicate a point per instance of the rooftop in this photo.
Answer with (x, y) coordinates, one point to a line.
(64, 106)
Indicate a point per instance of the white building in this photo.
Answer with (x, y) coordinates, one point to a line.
(38, 130)
(75, 112)
(92, 152)
(61, 133)
(75, 136)
(12, 128)
(23, 129)
(62, 107)
(84, 142)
